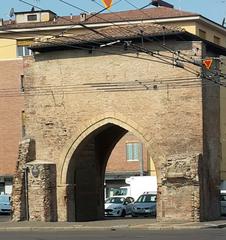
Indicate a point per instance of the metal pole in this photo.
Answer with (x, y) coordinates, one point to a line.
(141, 160)
(26, 192)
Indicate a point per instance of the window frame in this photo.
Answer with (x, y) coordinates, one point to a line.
(136, 148)
(24, 51)
(32, 17)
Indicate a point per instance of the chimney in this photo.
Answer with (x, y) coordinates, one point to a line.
(83, 17)
(160, 3)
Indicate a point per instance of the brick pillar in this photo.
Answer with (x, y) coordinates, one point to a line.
(62, 201)
(42, 199)
(19, 194)
(179, 193)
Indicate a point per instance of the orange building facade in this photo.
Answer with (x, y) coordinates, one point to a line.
(11, 108)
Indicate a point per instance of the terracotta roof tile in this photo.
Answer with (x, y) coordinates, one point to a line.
(106, 34)
(131, 15)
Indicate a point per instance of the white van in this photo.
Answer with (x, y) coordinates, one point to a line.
(137, 185)
(5, 205)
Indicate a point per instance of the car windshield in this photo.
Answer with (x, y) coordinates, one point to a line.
(223, 197)
(115, 200)
(120, 191)
(4, 198)
(146, 198)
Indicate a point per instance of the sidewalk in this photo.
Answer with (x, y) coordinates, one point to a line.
(111, 224)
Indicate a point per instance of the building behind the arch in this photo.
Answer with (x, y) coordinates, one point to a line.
(81, 99)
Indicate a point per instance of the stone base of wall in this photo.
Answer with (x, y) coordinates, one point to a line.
(42, 191)
(34, 187)
(179, 194)
(183, 193)
(20, 194)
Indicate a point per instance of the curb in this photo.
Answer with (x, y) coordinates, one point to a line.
(110, 228)
(223, 225)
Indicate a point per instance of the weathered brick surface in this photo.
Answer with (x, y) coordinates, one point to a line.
(61, 116)
(118, 163)
(42, 191)
(179, 192)
(20, 191)
(71, 109)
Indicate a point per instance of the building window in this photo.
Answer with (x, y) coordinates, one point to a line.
(133, 151)
(202, 34)
(23, 51)
(216, 40)
(32, 17)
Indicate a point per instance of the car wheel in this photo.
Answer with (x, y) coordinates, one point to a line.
(123, 214)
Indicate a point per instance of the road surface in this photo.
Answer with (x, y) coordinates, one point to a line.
(207, 234)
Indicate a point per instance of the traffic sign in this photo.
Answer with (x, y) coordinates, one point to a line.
(207, 63)
(107, 3)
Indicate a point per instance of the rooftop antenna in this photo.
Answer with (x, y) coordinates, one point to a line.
(11, 12)
(223, 22)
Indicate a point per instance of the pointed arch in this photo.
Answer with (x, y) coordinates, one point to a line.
(88, 129)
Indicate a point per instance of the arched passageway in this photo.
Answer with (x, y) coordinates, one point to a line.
(75, 131)
(86, 172)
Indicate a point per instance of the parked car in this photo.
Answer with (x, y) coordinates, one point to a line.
(118, 206)
(223, 203)
(145, 205)
(5, 205)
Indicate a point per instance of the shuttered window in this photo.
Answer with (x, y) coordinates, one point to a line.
(23, 47)
(133, 151)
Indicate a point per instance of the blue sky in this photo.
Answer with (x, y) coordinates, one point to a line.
(212, 9)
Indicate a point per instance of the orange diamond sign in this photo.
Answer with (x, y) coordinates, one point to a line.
(207, 63)
(107, 3)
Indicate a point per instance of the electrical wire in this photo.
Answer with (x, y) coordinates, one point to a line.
(136, 85)
(88, 28)
(23, 1)
(143, 49)
(95, 31)
(164, 46)
(146, 38)
(94, 15)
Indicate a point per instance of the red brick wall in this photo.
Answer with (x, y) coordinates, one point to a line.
(11, 106)
(118, 162)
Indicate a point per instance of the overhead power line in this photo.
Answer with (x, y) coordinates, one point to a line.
(120, 86)
(67, 45)
(91, 29)
(144, 50)
(94, 15)
(153, 37)
(138, 34)
(180, 58)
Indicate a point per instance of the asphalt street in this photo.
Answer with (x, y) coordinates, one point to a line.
(207, 234)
